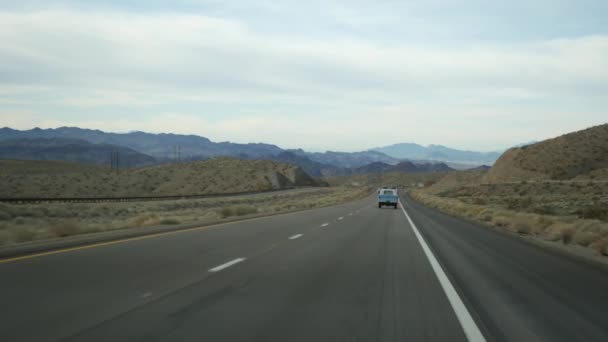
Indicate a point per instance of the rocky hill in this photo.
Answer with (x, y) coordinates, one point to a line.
(311, 167)
(19, 178)
(571, 155)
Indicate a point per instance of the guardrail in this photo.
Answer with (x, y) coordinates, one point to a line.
(26, 200)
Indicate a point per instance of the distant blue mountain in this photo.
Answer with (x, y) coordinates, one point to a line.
(77, 144)
(440, 153)
(164, 147)
(73, 150)
(156, 145)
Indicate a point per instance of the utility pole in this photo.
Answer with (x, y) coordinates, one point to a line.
(114, 160)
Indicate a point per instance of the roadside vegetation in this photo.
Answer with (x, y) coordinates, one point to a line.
(565, 229)
(552, 191)
(27, 222)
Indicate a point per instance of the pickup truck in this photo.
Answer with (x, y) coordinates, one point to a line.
(388, 197)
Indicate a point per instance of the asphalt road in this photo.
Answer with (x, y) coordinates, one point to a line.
(347, 273)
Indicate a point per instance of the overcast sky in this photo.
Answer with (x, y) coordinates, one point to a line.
(321, 75)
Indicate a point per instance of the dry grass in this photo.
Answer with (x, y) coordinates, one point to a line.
(567, 229)
(5, 237)
(584, 238)
(23, 234)
(55, 220)
(584, 199)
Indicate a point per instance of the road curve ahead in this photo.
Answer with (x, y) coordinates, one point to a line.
(352, 272)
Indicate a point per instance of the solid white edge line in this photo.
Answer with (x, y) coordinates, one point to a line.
(471, 330)
(295, 236)
(226, 265)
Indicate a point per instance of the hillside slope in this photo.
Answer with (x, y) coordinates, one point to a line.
(565, 157)
(20, 178)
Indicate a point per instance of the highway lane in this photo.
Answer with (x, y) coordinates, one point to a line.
(519, 291)
(346, 273)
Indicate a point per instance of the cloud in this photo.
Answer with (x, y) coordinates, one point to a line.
(237, 83)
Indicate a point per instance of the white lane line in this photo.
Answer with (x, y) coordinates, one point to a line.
(350, 214)
(226, 265)
(325, 225)
(340, 218)
(464, 317)
(145, 295)
(295, 237)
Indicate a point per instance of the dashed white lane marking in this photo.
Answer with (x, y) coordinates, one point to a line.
(325, 225)
(340, 218)
(295, 237)
(145, 295)
(350, 214)
(226, 265)
(464, 317)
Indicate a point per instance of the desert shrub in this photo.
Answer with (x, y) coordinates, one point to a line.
(501, 221)
(30, 212)
(138, 221)
(522, 227)
(567, 234)
(544, 210)
(480, 201)
(553, 232)
(5, 237)
(226, 212)
(64, 228)
(23, 234)
(4, 216)
(242, 210)
(602, 247)
(595, 211)
(169, 221)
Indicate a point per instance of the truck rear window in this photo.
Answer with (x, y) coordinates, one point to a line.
(387, 192)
